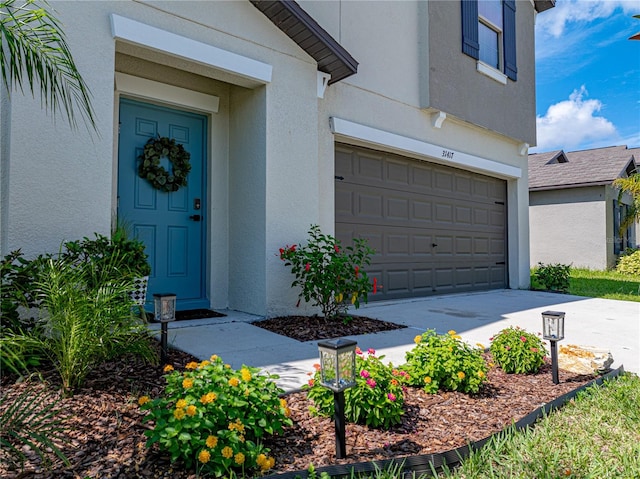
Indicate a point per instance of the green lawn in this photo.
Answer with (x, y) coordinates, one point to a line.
(595, 436)
(604, 284)
(601, 284)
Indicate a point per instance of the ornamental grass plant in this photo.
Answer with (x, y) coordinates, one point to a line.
(376, 400)
(517, 351)
(213, 418)
(445, 362)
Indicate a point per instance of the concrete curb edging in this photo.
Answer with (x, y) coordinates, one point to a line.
(427, 463)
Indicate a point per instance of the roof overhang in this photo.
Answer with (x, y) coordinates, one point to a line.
(298, 25)
(542, 5)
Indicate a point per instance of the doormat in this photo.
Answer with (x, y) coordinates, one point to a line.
(192, 314)
(197, 314)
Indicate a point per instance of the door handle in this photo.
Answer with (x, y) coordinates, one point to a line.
(194, 217)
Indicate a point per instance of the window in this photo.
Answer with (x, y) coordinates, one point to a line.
(489, 33)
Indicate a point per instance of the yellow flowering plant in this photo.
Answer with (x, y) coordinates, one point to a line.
(445, 362)
(376, 400)
(517, 351)
(213, 418)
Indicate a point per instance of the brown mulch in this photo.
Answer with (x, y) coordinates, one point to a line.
(312, 328)
(106, 435)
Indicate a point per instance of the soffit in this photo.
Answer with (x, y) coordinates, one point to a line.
(298, 25)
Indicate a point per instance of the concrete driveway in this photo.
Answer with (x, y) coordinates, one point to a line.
(608, 324)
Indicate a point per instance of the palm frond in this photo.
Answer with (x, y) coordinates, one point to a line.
(34, 51)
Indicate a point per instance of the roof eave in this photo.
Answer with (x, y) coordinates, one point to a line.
(298, 25)
(542, 5)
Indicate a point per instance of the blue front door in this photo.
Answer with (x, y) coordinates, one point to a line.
(172, 225)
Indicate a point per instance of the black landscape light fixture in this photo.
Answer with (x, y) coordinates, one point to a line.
(164, 310)
(338, 373)
(553, 331)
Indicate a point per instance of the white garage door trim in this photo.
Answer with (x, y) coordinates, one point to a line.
(404, 144)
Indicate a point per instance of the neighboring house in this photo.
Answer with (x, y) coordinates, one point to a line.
(407, 123)
(574, 211)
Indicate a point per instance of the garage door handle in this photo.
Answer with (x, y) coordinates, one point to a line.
(194, 217)
(434, 244)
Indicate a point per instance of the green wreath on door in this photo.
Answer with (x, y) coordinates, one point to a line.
(151, 170)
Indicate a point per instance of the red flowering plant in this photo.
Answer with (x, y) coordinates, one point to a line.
(330, 276)
(517, 351)
(376, 400)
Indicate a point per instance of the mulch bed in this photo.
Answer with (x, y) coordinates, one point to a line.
(312, 328)
(106, 433)
(191, 314)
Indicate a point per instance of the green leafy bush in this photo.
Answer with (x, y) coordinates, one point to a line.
(445, 362)
(119, 254)
(377, 398)
(517, 351)
(329, 275)
(213, 417)
(17, 275)
(629, 263)
(554, 277)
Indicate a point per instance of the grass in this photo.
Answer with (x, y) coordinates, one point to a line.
(604, 284)
(600, 284)
(595, 436)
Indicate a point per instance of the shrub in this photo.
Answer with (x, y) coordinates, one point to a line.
(213, 417)
(329, 275)
(445, 362)
(376, 399)
(554, 277)
(17, 275)
(86, 319)
(629, 263)
(517, 351)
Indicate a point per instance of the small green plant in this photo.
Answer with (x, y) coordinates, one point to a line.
(517, 351)
(330, 276)
(377, 398)
(445, 362)
(86, 319)
(31, 420)
(554, 277)
(16, 275)
(119, 254)
(629, 263)
(213, 417)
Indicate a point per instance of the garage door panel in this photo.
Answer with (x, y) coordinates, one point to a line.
(435, 229)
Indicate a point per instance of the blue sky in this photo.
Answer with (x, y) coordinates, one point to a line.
(588, 75)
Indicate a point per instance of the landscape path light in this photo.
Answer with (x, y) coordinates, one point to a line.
(164, 310)
(338, 373)
(553, 331)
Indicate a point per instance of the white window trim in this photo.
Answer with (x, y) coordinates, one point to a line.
(173, 95)
(491, 72)
(138, 33)
(428, 151)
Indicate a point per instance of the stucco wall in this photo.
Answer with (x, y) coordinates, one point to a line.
(571, 226)
(271, 166)
(456, 87)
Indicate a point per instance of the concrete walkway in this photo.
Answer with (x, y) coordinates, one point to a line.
(612, 325)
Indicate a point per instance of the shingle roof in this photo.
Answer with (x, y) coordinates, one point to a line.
(600, 166)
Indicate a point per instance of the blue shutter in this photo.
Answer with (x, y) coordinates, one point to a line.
(470, 44)
(509, 38)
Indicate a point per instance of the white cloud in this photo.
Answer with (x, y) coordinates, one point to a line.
(572, 123)
(554, 21)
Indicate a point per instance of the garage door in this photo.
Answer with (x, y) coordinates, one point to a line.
(435, 229)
